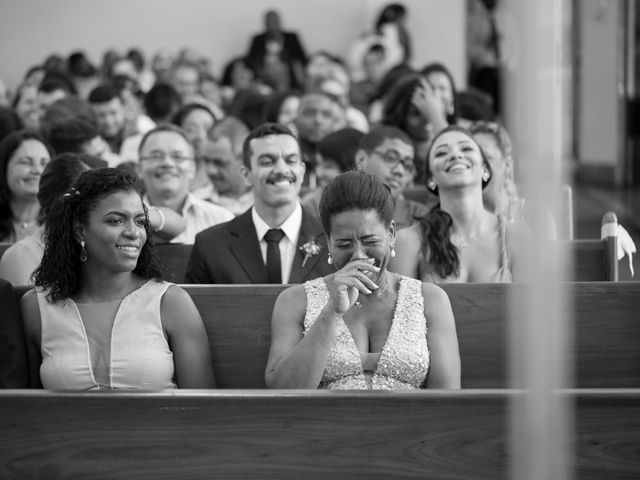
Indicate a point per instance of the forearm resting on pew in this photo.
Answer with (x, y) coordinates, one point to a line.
(297, 360)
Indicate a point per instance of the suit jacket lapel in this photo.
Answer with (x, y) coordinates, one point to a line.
(246, 249)
(310, 231)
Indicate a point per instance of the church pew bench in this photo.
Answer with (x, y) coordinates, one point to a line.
(606, 331)
(286, 434)
(606, 328)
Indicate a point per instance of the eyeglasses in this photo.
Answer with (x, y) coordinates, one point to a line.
(484, 127)
(177, 157)
(392, 158)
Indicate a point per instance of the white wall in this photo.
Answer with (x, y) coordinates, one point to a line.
(599, 120)
(220, 29)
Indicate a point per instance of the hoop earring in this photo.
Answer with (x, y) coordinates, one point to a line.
(83, 252)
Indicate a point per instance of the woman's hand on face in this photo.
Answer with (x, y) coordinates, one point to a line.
(347, 283)
(428, 103)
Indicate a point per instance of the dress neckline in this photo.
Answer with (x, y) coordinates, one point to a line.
(383, 352)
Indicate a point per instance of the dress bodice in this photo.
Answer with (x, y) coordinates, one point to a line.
(140, 357)
(404, 360)
(501, 275)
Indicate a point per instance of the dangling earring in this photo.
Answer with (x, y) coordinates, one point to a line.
(486, 176)
(329, 259)
(431, 185)
(393, 252)
(83, 252)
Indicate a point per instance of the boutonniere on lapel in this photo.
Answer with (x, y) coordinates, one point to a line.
(310, 249)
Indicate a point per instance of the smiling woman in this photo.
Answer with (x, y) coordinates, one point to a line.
(23, 156)
(102, 317)
(458, 240)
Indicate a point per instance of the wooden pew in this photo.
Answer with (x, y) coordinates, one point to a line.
(289, 434)
(606, 332)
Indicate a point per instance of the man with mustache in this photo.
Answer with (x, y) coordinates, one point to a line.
(387, 153)
(275, 241)
(167, 166)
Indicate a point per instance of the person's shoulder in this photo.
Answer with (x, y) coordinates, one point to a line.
(417, 209)
(412, 233)
(293, 296)
(221, 230)
(211, 208)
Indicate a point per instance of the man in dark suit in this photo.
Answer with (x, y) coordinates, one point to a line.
(275, 241)
(277, 56)
(14, 372)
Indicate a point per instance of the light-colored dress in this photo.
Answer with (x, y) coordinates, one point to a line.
(501, 275)
(402, 364)
(139, 357)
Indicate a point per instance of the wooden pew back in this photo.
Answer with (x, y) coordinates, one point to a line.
(298, 434)
(606, 329)
(606, 332)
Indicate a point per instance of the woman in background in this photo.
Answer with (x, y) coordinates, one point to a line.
(458, 240)
(23, 156)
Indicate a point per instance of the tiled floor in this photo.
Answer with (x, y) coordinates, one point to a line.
(590, 203)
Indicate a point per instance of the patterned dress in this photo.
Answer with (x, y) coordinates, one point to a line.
(402, 364)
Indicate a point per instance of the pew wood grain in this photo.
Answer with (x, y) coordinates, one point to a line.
(297, 434)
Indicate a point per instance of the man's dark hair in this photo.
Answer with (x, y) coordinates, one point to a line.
(263, 130)
(70, 134)
(161, 102)
(103, 94)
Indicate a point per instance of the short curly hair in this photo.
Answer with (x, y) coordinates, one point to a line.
(59, 270)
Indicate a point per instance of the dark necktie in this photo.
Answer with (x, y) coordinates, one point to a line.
(274, 269)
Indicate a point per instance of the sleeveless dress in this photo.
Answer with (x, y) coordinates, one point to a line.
(404, 360)
(140, 357)
(502, 275)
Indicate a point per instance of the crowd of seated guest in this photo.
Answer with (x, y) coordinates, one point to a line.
(236, 165)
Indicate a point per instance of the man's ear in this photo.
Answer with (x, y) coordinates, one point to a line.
(361, 157)
(246, 175)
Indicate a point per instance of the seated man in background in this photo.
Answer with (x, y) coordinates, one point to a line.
(276, 241)
(78, 135)
(166, 167)
(387, 154)
(109, 110)
(222, 159)
(319, 114)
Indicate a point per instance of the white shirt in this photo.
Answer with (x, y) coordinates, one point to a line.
(199, 215)
(291, 228)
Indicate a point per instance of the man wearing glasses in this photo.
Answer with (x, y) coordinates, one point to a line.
(167, 166)
(387, 153)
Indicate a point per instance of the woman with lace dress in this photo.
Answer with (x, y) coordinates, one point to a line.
(362, 327)
(459, 240)
(101, 316)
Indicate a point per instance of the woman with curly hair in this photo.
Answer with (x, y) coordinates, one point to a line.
(101, 316)
(458, 240)
(23, 156)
